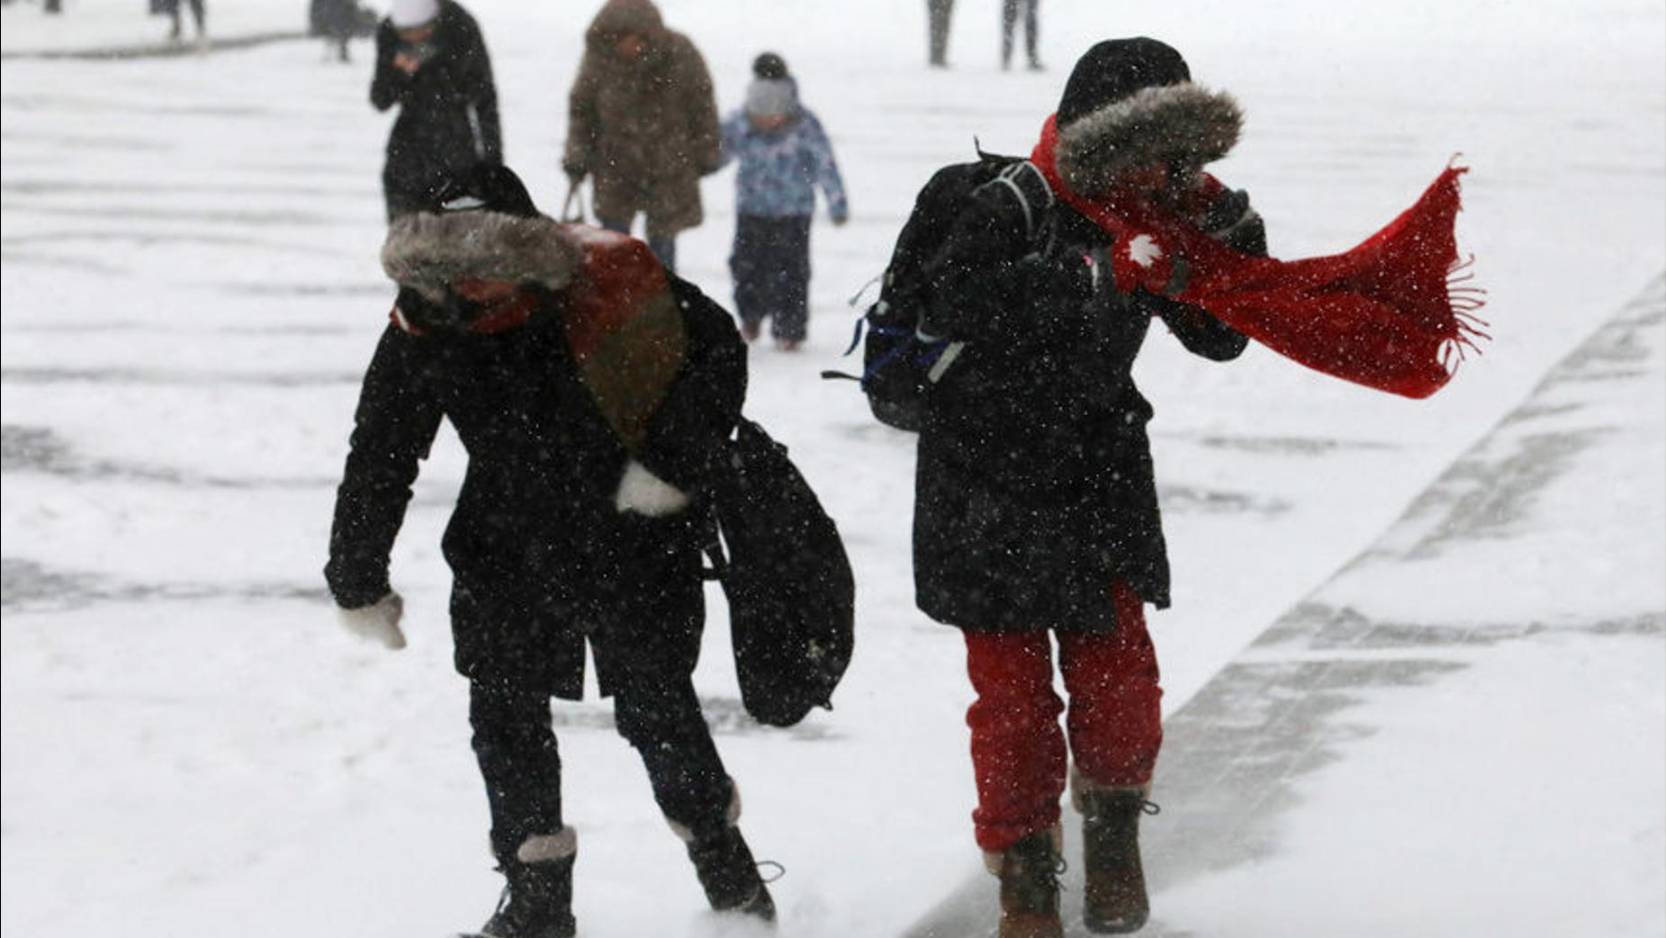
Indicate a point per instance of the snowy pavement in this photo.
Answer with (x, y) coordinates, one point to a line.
(189, 292)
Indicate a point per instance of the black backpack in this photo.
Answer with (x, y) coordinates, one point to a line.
(787, 579)
(900, 364)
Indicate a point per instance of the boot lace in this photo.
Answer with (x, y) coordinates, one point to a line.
(1040, 876)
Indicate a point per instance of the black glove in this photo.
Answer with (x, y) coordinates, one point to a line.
(1232, 222)
(1075, 271)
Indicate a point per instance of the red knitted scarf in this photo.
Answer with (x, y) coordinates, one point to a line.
(1389, 313)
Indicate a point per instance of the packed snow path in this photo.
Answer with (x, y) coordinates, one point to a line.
(189, 293)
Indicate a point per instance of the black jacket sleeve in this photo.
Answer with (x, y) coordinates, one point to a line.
(388, 85)
(393, 429)
(1231, 221)
(477, 77)
(688, 431)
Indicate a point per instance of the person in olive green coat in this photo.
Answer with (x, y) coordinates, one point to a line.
(642, 124)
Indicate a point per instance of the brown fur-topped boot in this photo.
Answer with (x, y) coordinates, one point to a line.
(723, 862)
(1114, 900)
(538, 900)
(1029, 872)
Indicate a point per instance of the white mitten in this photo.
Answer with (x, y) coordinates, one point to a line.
(647, 494)
(378, 622)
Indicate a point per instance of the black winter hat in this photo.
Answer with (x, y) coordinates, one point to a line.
(769, 66)
(1116, 68)
(491, 188)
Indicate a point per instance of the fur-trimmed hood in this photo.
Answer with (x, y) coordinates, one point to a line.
(425, 251)
(622, 17)
(1180, 123)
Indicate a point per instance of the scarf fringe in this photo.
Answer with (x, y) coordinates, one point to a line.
(1469, 330)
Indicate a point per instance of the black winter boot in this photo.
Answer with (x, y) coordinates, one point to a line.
(1029, 872)
(537, 901)
(1114, 900)
(730, 876)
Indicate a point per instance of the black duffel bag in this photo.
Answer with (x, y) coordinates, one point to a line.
(787, 578)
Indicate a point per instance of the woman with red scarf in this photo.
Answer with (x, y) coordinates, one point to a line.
(1036, 516)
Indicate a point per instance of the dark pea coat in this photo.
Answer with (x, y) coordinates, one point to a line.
(1035, 488)
(540, 555)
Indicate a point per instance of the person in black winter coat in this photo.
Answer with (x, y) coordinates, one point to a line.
(431, 61)
(577, 523)
(1036, 508)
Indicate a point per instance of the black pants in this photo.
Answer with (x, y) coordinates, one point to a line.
(771, 268)
(1009, 23)
(938, 11)
(658, 714)
(197, 16)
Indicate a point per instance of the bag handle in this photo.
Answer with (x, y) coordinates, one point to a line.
(572, 208)
(717, 566)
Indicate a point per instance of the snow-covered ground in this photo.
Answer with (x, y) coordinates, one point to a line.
(190, 291)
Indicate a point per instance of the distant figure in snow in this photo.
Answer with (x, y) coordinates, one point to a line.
(1032, 30)
(938, 13)
(199, 17)
(579, 525)
(337, 22)
(642, 123)
(784, 156)
(1036, 514)
(431, 62)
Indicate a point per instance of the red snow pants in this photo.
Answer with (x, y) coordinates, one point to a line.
(1018, 751)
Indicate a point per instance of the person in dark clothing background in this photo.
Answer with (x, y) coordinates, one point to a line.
(938, 13)
(1036, 507)
(579, 520)
(1032, 30)
(431, 61)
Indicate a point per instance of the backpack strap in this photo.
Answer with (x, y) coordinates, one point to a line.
(1030, 188)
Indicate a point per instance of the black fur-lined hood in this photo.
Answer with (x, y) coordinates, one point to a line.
(425, 252)
(1181, 123)
(1130, 103)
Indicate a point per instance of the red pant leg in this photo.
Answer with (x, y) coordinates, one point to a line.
(1116, 714)
(1018, 751)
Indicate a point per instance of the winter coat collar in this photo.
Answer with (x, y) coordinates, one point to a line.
(1182, 123)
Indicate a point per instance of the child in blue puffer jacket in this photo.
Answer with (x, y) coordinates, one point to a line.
(784, 156)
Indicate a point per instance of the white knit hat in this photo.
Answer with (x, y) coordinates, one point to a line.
(407, 14)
